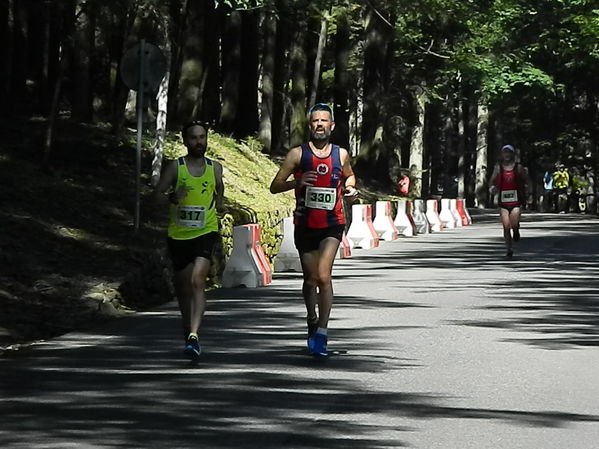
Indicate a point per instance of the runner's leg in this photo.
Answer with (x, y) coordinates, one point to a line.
(317, 266)
(184, 293)
(309, 261)
(328, 251)
(504, 214)
(197, 300)
(515, 222)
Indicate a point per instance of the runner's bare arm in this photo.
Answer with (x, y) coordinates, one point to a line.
(168, 180)
(493, 179)
(220, 187)
(281, 182)
(348, 174)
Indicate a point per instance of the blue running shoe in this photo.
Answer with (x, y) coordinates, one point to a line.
(192, 349)
(312, 326)
(320, 345)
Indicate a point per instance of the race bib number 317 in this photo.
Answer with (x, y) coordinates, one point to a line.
(191, 216)
(321, 198)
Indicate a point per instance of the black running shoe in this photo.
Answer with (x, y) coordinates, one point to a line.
(509, 253)
(516, 235)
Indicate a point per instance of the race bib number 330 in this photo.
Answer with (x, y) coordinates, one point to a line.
(321, 198)
(191, 216)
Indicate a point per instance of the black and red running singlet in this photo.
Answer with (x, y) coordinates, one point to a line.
(320, 205)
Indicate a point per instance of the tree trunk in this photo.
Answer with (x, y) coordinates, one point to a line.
(481, 154)
(66, 47)
(231, 44)
(246, 119)
(161, 116)
(82, 109)
(7, 53)
(298, 123)
(126, 34)
(285, 26)
(211, 80)
(436, 158)
(417, 142)
(189, 92)
(45, 78)
(374, 63)
(461, 143)
(342, 80)
(322, 39)
(447, 135)
(265, 132)
(18, 73)
(373, 157)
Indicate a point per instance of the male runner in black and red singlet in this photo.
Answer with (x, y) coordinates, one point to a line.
(322, 176)
(509, 179)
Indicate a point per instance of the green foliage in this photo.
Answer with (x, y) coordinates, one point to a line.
(243, 4)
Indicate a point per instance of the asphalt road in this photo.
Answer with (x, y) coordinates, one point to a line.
(439, 341)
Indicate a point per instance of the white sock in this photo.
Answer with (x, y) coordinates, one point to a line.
(321, 330)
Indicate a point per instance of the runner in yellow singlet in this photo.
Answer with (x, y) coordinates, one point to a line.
(194, 186)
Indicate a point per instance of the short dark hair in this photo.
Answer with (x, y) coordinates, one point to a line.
(321, 107)
(191, 125)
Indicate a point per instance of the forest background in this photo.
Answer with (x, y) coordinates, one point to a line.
(435, 86)
(432, 88)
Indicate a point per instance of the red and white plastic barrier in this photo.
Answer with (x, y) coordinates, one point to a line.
(453, 206)
(420, 220)
(345, 247)
(446, 215)
(403, 219)
(461, 208)
(432, 215)
(247, 265)
(383, 222)
(287, 258)
(467, 213)
(361, 231)
(465, 209)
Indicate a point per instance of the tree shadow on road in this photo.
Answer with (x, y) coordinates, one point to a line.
(255, 388)
(550, 289)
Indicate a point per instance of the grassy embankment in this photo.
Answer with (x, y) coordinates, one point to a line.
(68, 252)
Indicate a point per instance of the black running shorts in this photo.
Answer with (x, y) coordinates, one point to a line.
(510, 208)
(308, 239)
(184, 252)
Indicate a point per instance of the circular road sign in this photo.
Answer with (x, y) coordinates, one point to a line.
(154, 67)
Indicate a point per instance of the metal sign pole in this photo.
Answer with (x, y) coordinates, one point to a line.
(142, 68)
(140, 98)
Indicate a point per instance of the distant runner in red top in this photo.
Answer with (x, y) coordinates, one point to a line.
(510, 180)
(322, 177)
(404, 184)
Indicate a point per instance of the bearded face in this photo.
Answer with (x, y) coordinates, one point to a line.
(321, 126)
(196, 141)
